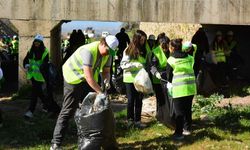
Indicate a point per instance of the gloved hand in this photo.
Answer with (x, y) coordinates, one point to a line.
(27, 66)
(106, 84)
(137, 65)
(158, 75)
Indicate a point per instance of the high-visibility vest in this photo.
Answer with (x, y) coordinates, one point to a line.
(183, 82)
(73, 72)
(231, 45)
(14, 46)
(34, 69)
(219, 53)
(129, 74)
(162, 61)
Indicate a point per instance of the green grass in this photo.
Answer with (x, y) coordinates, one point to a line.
(229, 128)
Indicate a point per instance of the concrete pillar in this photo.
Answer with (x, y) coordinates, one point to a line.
(27, 29)
(55, 45)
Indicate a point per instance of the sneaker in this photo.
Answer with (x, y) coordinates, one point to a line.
(55, 147)
(186, 132)
(140, 125)
(28, 114)
(178, 137)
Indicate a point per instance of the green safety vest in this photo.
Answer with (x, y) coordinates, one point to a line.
(73, 72)
(34, 69)
(183, 82)
(129, 75)
(162, 59)
(231, 45)
(219, 54)
(14, 46)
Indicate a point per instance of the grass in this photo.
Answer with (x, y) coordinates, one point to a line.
(229, 128)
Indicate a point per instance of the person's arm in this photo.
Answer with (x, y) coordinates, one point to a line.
(169, 72)
(90, 79)
(127, 65)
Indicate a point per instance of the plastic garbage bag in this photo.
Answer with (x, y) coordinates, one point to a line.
(95, 123)
(165, 113)
(143, 83)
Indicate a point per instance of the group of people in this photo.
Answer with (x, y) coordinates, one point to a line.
(169, 60)
(10, 46)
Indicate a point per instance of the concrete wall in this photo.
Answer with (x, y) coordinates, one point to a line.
(173, 11)
(43, 16)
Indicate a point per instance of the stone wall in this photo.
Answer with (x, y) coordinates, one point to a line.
(172, 30)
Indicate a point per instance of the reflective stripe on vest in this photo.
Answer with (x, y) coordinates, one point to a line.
(219, 54)
(162, 61)
(34, 69)
(73, 72)
(183, 82)
(129, 75)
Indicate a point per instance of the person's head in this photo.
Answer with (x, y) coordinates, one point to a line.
(108, 45)
(14, 37)
(137, 45)
(122, 30)
(38, 40)
(163, 41)
(230, 35)
(218, 36)
(175, 45)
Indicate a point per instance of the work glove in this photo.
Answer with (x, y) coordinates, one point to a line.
(27, 66)
(137, 65)
(158, 75)
(106, 84)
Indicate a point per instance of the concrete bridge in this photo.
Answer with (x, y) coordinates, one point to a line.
(46, 16)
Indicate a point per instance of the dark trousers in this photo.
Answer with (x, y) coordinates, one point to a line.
(134, 105)
(73, 95)
(159, 94)
(37, 92)
(183, 113)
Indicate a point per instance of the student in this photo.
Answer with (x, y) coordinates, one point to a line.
(158, 68)
(37, 56)
(180, 74)
(80, 73)
(134, 58)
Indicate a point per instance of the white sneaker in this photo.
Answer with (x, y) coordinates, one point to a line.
(28, 114)
(55, 147)
(186, 132)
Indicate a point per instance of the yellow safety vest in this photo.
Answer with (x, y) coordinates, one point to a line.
(73, 72)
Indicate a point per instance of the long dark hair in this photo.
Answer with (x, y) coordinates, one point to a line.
(37, 51)
(135, 48)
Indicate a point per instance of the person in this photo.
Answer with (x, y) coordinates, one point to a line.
(134, 58)
(219, 48)
(80, 74)
(180, 75)
(201, 41)
(73, 45)
(234, 60)
(151, 42)
(124, 41)
(37, 56)
(158, 68)
(14, 48)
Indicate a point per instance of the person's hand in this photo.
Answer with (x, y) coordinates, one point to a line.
(106, 84)
(27, 66)
(158, 75)
(138, 65)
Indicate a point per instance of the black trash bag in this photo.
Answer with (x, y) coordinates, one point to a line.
(95, 124)
(165, 113)
(205, 83)
(117, 81)
(50, 74)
